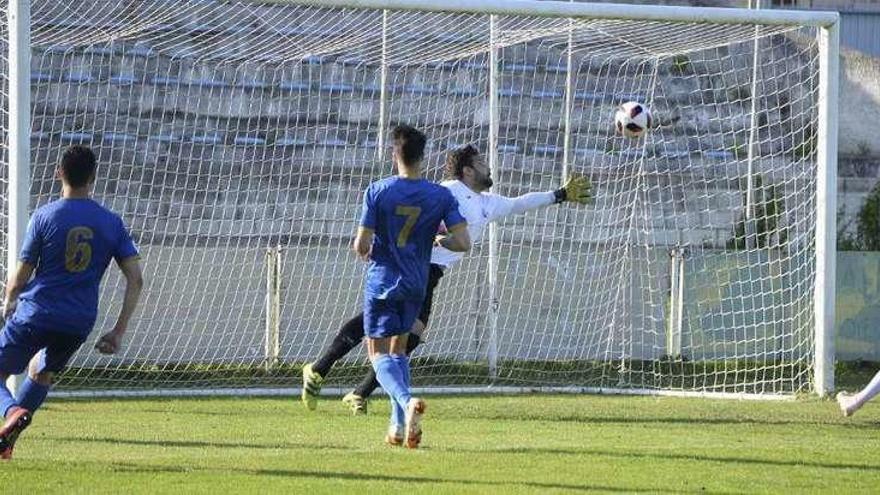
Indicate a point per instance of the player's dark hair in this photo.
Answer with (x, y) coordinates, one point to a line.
(409, 143)
(458, 159)
(78, 165)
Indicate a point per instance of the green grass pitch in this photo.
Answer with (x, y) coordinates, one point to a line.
(483, 444)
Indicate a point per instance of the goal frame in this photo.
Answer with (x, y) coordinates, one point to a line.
(18, 18)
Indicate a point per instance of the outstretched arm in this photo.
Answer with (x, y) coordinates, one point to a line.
(522, 204)
(577, 189)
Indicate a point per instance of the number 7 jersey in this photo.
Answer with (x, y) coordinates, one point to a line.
(71, 243)
(404, 215)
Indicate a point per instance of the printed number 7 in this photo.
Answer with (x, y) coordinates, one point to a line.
(412, 215)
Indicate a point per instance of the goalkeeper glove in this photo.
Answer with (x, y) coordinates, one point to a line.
(577, 189)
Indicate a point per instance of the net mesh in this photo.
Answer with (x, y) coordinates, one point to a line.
(229, 132)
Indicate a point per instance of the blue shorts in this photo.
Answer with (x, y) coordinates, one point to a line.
(386, 317)
(19, 342)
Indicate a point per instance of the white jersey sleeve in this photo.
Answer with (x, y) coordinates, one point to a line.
(480, 209)
(502, 206)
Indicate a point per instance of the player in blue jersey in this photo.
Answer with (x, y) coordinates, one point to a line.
(400, 219)
(469, 180)
(52, 297)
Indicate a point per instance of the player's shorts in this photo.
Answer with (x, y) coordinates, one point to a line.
(388, 317)
(434, 274)
(19, 342)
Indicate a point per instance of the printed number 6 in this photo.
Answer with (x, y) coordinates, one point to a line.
(78, 251)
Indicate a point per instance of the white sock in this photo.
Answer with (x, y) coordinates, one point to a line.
(870, 390)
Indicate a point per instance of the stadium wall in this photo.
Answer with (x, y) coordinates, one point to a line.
(314, 307)
(859, 98)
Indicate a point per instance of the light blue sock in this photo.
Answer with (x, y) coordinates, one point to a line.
(6, 399)
(31, 394)
(402, 362)
(389, 374)
(398, 416)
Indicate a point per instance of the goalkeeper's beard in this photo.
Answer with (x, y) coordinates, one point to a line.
(486, 183)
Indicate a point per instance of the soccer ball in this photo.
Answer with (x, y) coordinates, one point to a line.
(632, 119)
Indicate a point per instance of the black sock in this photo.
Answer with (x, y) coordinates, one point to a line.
(348, 337)
(369, 384)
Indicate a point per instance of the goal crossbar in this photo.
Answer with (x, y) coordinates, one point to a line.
(666, 13)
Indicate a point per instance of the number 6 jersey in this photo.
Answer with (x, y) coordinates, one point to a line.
(71, 243)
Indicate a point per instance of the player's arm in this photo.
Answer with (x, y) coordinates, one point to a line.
(456, 239)
(363, 239)
(15, 285)
(577, 189)
(362, 242)
(29, 258)
(130, 267)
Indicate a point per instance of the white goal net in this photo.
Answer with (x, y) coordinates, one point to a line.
(236, 138)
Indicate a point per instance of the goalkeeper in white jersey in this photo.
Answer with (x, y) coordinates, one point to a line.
(469, 182)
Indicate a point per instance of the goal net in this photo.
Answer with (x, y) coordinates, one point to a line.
(236, 139)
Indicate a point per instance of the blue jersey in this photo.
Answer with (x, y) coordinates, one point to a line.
(404, 215)
(70, 242)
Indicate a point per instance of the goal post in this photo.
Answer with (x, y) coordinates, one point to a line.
(17, 136)
(826, 230)
(235, 138)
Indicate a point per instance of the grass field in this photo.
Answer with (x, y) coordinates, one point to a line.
(486, 444)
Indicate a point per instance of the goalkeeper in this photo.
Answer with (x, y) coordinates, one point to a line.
(469, 182)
